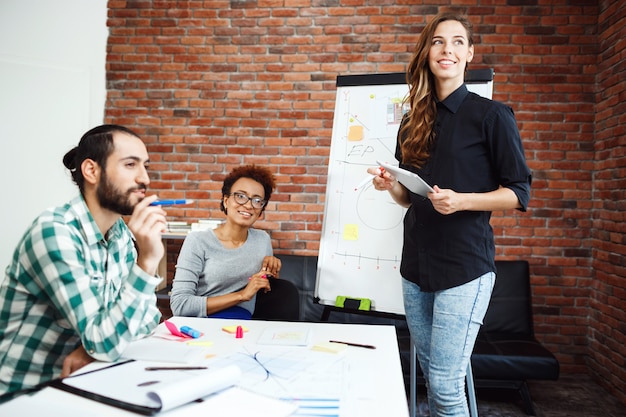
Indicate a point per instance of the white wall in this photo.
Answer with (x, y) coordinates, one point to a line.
(52, 90)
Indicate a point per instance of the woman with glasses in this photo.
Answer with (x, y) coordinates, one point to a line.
(220, 271)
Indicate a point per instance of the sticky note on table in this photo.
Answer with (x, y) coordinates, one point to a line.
(233, 329)
(330, 347)
(199, 343)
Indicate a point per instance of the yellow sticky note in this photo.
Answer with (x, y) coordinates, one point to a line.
(200, 343)
(351, 232)
(330, 347)
(233, 329)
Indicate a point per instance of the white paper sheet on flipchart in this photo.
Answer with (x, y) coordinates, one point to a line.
(294, 372)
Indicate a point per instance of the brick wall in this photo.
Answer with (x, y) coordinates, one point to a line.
(607, 316)
(214, 84)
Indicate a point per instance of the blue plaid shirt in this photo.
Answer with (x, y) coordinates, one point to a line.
(67, 284)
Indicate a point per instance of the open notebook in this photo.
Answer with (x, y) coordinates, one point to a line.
(130, 386)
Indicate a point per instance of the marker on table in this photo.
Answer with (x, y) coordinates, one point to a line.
(190, 332)
(369, 178)
(354, 344)
(171, 202)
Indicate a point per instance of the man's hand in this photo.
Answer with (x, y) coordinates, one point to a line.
(75, 360)
(147, 224)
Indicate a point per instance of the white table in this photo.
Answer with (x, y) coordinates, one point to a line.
(370, 380)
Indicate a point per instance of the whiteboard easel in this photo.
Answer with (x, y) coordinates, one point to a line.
(362, 232)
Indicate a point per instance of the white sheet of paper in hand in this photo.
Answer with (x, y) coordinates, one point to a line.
(409, 179)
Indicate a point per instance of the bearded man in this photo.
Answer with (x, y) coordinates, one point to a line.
(81, 282)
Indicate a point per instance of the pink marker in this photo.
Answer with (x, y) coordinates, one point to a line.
(239, 332)
(263, 276)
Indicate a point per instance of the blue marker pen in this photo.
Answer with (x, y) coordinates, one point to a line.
(190, 332)
(171, 202)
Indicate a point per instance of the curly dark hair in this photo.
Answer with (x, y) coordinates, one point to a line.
(259, 174)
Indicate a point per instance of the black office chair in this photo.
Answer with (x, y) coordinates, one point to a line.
(282, 303)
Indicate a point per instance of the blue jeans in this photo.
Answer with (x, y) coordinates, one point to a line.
(443, 326)
(234, 312)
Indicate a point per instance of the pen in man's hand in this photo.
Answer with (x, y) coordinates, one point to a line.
(180, 202)
(175, 368)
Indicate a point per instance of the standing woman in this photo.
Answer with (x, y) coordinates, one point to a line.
(470, 149)
(220, 271)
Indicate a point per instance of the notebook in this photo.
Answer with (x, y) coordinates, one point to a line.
(130, 386)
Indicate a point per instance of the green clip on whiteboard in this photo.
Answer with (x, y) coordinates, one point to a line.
(361, 241)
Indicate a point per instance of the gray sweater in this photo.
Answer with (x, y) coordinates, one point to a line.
(205, 268)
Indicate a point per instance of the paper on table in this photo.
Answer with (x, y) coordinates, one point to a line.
(237, 402)
(176, 393)
(130, 386)
(231, 402)
(161, 350)
(331, 347)
(285, 336)
(285, 372)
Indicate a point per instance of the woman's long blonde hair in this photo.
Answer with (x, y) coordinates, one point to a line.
(416, 131)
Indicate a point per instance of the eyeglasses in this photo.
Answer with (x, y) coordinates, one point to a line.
(241, 199)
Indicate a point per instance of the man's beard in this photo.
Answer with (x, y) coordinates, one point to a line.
(112, 199)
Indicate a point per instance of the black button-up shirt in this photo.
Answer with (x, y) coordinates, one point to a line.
(477, 148)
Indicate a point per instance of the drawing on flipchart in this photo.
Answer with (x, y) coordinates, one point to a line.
(362, 233)
(367, 119)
